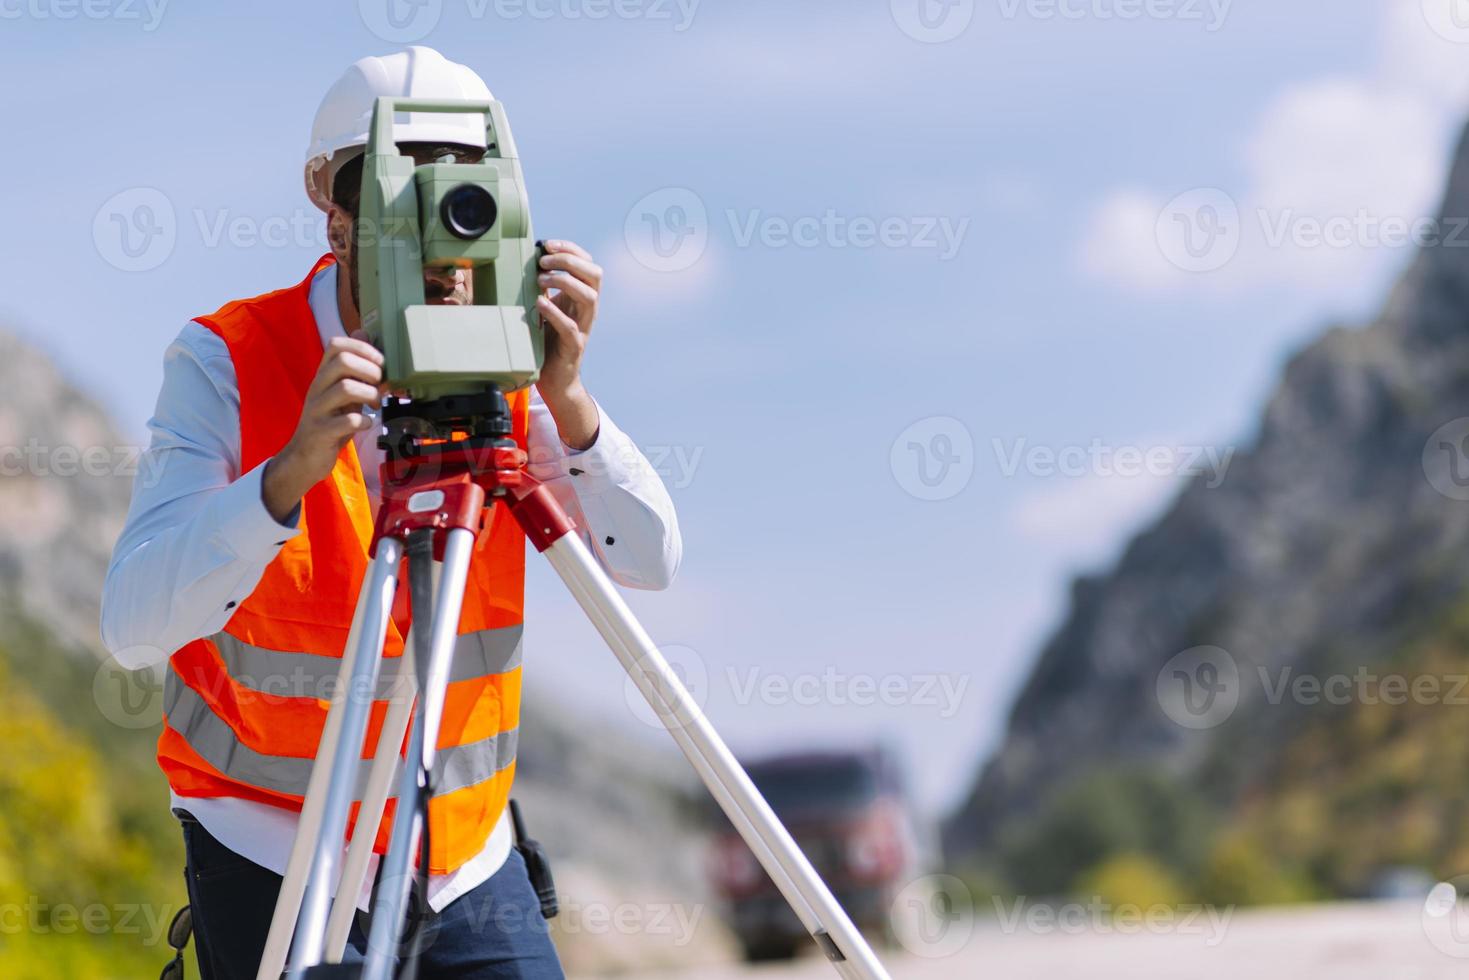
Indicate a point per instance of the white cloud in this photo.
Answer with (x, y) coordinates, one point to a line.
(1121, 244)
(1340, 172)
(632, 286)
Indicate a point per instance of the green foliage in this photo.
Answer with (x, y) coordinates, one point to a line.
(1132, 879)
(1345, 792)
(1240, 872)
(1127, 811)
(89, 861)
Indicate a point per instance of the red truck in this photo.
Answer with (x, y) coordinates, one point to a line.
(849, 814)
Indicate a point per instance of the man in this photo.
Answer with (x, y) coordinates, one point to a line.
(240, 564)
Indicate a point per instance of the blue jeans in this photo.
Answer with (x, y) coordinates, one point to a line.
(494, 932)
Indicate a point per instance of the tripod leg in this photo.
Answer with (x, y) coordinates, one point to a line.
(792, 873)
(391, 904)
(374, 801)
(345, 760)
(288, 903)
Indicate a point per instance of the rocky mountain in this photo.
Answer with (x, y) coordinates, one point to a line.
(65, 478)
(1340, 535)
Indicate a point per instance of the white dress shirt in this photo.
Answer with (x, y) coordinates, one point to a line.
(198, 538)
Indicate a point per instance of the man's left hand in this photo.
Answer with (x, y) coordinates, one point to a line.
(567, 319)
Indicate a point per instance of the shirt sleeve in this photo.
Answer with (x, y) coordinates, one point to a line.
(621, 508)
(197, 536)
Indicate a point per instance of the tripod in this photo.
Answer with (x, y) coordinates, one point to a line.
(448, 460)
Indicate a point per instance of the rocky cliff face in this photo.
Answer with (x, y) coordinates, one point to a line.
(1342, 529)
(65, 478)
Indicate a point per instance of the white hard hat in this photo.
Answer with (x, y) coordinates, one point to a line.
(339, 131)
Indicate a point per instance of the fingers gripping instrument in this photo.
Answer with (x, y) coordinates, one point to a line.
(475, 216)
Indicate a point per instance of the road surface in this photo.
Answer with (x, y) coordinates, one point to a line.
(1360, 941)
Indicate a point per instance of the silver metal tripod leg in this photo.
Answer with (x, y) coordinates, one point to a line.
(308, 827)
(380, 781)
(341, 788)
(777, 852)
(390, 907)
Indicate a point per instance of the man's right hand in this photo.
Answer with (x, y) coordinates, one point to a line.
(349, 378)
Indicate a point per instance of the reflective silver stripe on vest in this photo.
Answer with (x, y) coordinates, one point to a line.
(309, 675)
(215, 741)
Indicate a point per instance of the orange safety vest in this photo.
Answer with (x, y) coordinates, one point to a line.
(244, 709)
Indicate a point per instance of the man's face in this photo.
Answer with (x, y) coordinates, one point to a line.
(443, 287)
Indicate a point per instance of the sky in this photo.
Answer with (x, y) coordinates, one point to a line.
(920, 307)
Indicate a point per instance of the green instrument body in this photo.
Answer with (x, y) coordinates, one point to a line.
(407, 223)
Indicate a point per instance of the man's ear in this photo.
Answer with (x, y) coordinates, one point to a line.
(339, 233)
